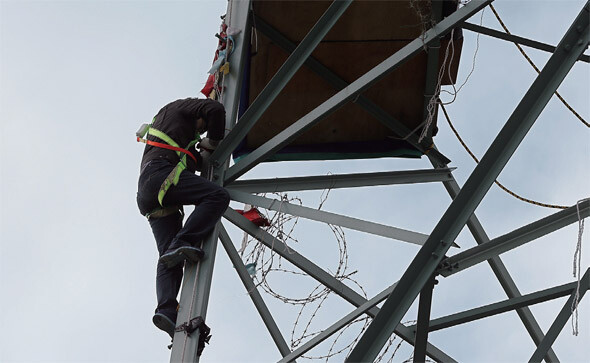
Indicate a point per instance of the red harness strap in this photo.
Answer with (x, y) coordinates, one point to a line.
(166, 146)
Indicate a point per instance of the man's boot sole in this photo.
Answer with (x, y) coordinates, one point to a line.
(163, 323)
(177, 256)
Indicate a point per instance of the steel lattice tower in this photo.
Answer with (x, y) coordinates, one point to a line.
(431, 260)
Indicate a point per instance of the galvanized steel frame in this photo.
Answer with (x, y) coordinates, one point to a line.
(197, 282)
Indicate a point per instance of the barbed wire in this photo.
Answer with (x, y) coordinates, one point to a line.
(283, 227)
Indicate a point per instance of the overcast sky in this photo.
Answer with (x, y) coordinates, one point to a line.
(77, 260)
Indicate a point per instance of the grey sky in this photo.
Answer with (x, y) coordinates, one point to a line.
(77, 261)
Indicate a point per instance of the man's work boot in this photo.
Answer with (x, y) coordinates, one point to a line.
(164, 323)
(180, 251)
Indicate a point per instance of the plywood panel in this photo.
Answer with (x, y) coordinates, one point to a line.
(368, 33)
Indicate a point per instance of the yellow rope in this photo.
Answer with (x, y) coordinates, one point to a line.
(497, 182)
(537, 69)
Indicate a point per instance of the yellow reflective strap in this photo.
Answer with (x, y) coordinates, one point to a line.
(174, 176)
(171, 179)
(159, 134)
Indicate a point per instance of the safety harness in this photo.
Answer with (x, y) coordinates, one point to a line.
(174, 176)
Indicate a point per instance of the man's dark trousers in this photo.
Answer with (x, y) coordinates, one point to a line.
(210, 201)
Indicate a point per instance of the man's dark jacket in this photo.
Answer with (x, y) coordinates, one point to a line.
(178, 120)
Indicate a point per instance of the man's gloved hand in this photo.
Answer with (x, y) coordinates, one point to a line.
(208, 144)
(205, 155)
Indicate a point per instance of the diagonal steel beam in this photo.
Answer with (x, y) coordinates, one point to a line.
(338, 83)
(326, 333)
(330, 218)
(462, 207)
(335, 181)
(502, 306)
(351, 91)
(515, 39)
(514, 239)
(500, 271)
(265, 314)
(323, 277)
(280, 79)
(560, 320)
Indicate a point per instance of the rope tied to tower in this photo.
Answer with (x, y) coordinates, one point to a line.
(577, 269)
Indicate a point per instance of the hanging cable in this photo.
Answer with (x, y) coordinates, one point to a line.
(530, 201)
(537, 69)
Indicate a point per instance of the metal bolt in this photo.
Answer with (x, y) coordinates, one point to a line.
(443, 243)
(567, 47)
(434, 255)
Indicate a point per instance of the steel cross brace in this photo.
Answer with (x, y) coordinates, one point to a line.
(280, 79)
(506, 305)
(438, 160)
(501, 272)
(322, 276)
(194, 297)
(561, 319)
(351, 91)
(514, 239)
(265, 314)
(326, 333)
(515, 39)
(462, 207)
(330, 218)
(335, 181)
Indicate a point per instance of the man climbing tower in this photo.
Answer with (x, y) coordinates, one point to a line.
(167, 182)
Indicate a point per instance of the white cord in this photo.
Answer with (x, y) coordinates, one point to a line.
(577, 270)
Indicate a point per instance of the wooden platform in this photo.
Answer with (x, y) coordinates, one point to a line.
(367, 33)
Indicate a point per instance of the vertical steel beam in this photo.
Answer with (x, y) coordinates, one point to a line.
(454, 219)
(194, 296)
(422, 326)
(265, 314)
(560, 321)
(351, 91)
(432, 71)
(280, 79)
